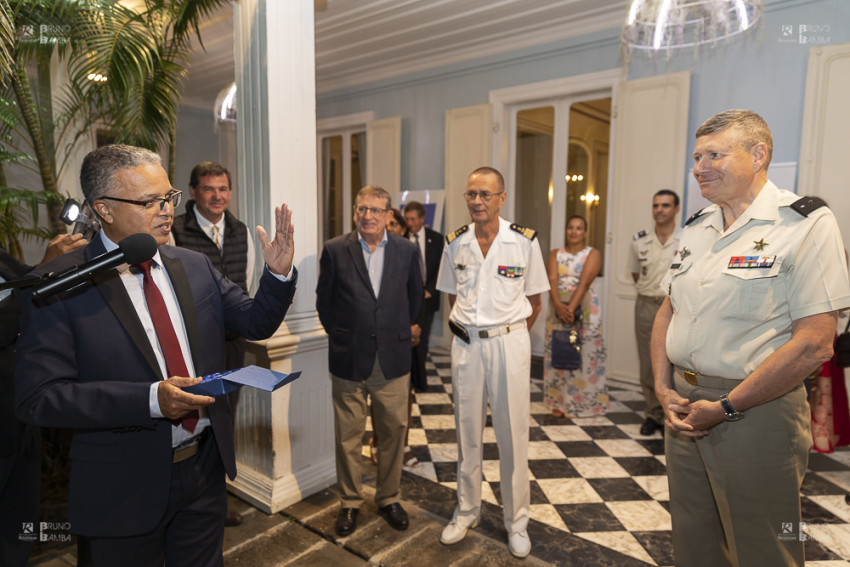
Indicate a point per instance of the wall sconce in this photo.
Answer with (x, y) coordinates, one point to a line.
(591, 199)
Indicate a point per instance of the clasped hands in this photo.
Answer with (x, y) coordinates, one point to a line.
(564, 313)
(692, 419)
(174, 402)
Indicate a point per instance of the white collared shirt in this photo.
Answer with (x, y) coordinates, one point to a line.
(494, 290)
(206, 225)
(735, 292)
(133, 284)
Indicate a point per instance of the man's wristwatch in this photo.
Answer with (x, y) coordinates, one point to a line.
(729, 410)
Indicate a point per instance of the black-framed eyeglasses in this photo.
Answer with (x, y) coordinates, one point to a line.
(486, 196)
(172, 197)
(375, 212)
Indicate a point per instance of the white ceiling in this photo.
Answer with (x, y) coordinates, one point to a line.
(360, 41)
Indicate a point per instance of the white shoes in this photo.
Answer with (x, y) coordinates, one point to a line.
(454, 533)
(519, 544)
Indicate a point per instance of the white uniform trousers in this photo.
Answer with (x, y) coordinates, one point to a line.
(497, 368)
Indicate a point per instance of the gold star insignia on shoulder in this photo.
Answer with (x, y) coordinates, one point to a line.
(684, 253)
(760, 244)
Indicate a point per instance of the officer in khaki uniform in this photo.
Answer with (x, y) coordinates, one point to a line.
(754, 292)
(652, 254)
(494, 274)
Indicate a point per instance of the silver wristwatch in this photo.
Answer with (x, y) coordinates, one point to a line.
(729, 410)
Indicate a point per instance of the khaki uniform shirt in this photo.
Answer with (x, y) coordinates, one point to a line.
(492, 291)
(735, 293)
(651, 260)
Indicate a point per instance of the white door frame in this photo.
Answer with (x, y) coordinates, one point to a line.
(560, 93)
(344, 126)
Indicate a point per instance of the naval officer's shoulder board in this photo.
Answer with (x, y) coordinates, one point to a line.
(529, 233)
(639, 234)
(806, 205)
(452, 235)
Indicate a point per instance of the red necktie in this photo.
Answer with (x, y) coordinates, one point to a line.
(175, 365)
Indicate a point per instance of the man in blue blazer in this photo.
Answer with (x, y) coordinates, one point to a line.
(368, 295)
(147, 458)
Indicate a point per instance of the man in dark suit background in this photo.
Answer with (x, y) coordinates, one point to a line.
(368, 295)
(430, 244)
(20, 443)
(147, 458)
(210, 228)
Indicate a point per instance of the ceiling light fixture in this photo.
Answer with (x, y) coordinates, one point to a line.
(656, 25)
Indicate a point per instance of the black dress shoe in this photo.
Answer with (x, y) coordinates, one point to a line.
(346, 521)
(649, 426)
(233, 518)
(395, 515)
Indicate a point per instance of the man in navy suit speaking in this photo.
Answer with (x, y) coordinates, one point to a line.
(109, 358)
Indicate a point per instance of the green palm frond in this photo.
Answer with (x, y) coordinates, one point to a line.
(7, 38)
(19, 214)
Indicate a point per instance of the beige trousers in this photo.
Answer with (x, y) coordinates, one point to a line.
(735, 494)
(389, 399)
(645, 311)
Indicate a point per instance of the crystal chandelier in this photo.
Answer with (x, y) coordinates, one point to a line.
(664, 25)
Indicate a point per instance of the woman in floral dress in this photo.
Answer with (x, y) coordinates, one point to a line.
(572, 270)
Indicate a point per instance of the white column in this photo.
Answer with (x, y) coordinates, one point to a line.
(284, 441)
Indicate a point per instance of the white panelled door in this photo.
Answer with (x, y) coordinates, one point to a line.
(649, 153)
(383, 153)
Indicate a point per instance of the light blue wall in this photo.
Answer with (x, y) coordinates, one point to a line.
(759, 72)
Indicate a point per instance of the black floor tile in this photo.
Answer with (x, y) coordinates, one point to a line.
(642, 466)
(618, 489)
(591, 517)
(440, 436)
(446, 472)
(552, 468)
(604, 432)
(659, 545)
(623, 418)
(816, 485)
(581, 449)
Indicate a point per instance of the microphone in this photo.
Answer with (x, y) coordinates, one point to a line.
(133, 249)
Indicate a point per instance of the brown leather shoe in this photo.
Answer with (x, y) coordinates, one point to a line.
(232, 519)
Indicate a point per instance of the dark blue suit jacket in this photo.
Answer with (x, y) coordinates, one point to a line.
(84, 362)
(359, 325)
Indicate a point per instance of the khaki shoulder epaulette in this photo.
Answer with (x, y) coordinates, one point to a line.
(529, 233)
(452, 235)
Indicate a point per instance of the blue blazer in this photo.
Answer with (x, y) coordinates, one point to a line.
(359, 325)
(84, 362)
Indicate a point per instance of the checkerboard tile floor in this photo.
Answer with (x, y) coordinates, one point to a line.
(600, 480)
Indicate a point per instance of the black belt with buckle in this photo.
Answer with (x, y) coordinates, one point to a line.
(190, 448)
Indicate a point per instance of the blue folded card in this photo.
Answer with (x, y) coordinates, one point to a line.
(222, 383)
